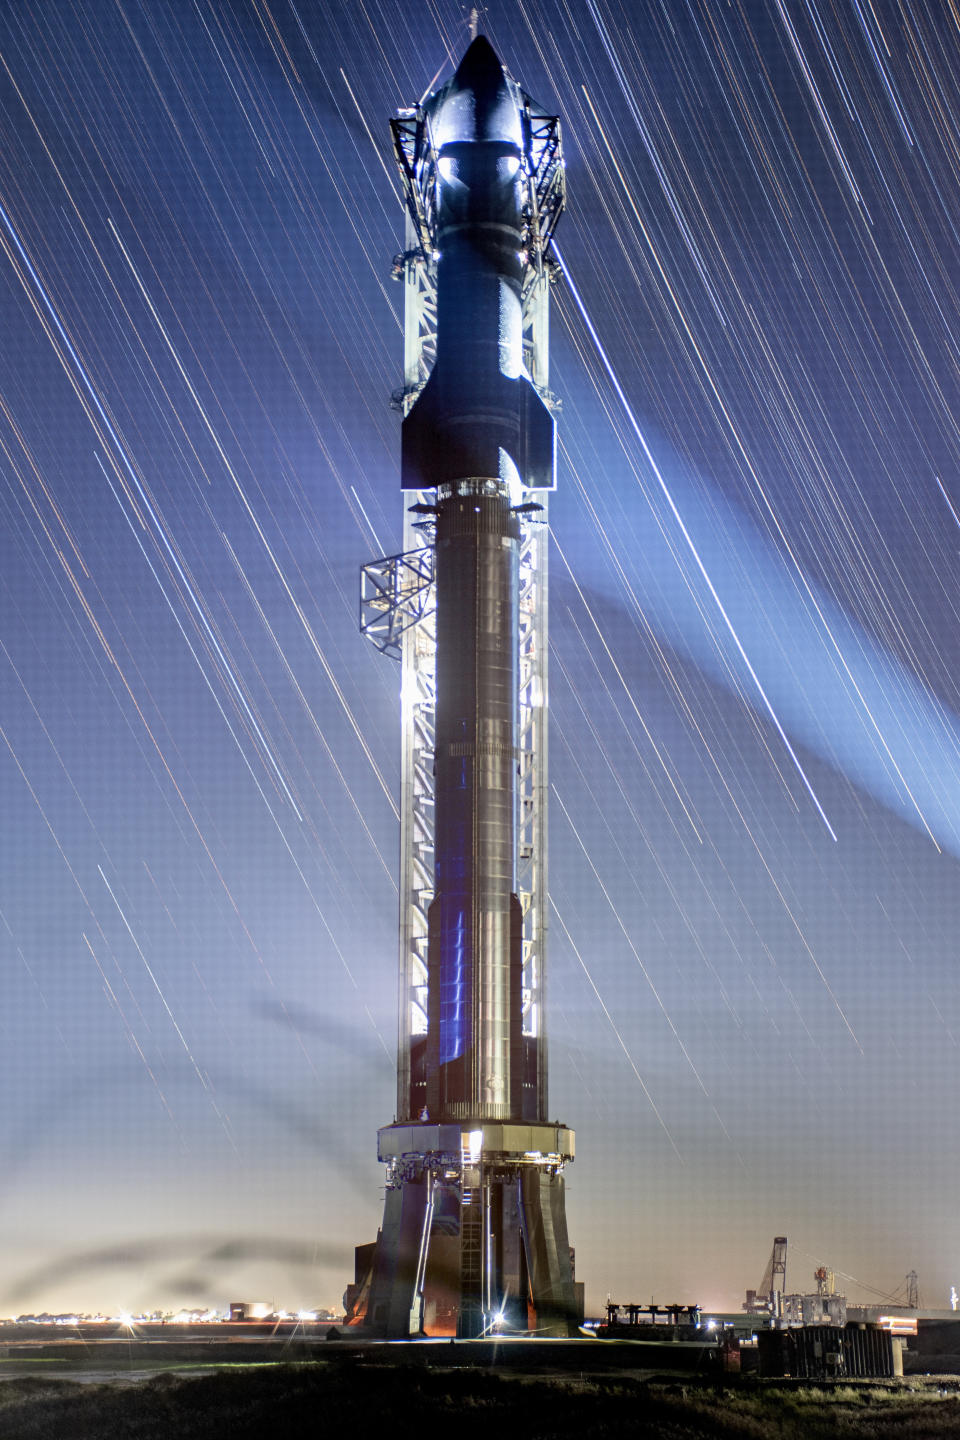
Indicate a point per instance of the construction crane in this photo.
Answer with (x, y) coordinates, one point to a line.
(773, 1284)
(774, 1281)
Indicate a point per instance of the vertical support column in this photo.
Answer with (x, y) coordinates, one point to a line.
(418, 697)
(532, 818)
(513, 1284)
(534, 774)
(470, 1320)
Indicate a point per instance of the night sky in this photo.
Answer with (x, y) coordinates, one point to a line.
(755, 734)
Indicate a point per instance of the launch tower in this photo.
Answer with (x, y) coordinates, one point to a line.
(474, 1233)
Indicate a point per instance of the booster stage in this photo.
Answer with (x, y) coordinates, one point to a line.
(474, 1234)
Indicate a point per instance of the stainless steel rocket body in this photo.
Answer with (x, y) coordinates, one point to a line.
(474, 948)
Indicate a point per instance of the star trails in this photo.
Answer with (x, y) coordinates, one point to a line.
(173, 1019)
(335, 685)
(132, 476)
(613, 1026)
(628, 411)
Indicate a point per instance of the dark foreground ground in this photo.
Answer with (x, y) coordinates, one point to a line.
(350, 1397)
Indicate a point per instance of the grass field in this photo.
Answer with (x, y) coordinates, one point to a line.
(337, 1399)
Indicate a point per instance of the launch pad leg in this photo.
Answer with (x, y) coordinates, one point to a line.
(544, 1223)
(393, 1311)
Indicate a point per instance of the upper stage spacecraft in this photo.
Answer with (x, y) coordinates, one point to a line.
(478, 414)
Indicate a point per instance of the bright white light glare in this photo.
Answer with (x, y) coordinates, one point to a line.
(508, 166)
(510, 476)
(447, 167)
(509, 330)
(474, 1144)
(898, 1324)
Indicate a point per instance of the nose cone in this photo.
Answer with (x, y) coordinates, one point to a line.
(480, 69)
(479, 103)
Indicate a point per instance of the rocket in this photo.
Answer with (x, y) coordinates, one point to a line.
(478, 435)
(474, 1227)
